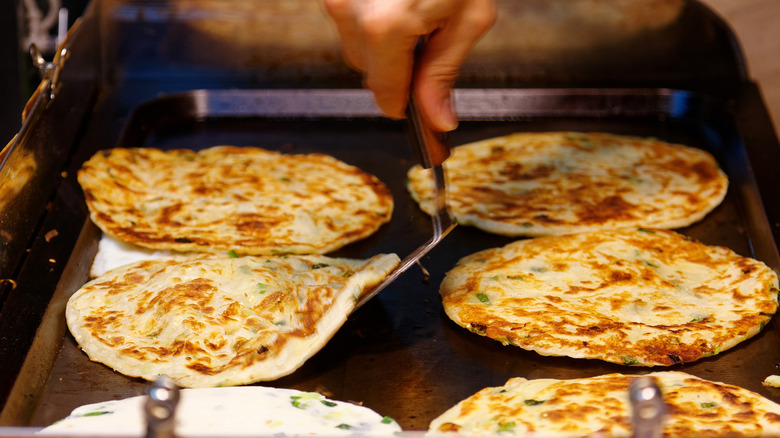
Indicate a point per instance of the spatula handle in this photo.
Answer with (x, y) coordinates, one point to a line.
(431, 147)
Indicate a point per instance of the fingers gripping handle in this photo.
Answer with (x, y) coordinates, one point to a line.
(430, 147)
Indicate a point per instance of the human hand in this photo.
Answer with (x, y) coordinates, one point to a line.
(379, 39)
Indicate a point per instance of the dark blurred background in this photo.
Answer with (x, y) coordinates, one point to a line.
(18, 77)
(753, 21)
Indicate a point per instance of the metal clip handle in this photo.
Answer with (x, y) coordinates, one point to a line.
(50, 70)
(160, 408)
(648, 410)
(430, 147)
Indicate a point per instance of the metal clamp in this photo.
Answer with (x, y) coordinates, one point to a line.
(50, 70)
(160, 408)
(648, 410)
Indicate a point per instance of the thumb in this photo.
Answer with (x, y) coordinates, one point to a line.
(439, 65)
(433, 81)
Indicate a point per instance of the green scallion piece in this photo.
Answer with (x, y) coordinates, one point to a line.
(509, 426)
(97, 413)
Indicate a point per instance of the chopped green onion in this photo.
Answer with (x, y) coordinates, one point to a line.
(509, 426)
(630, 361)
(532, 402)
(647, 263)
(320, 265)
(709, 405)
(328, 403)
(631, 178)
(344, 426)
(295, 400)
(483, 298)
(387, 420)
(232, 254)
(97, 413)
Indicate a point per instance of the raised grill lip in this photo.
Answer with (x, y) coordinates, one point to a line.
(710, 105)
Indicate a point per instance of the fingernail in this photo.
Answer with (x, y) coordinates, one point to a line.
(449, 121)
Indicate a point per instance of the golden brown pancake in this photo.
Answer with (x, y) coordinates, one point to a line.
(246, 199)
(218, 320)
(533, 184)
(599, 406)
(633, 296)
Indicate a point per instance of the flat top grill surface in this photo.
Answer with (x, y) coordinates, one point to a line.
(399, 354)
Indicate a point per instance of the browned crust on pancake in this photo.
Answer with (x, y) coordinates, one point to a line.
(218, 321)
(242, 198)
(599, 406)
(551, 183)
(660, 300)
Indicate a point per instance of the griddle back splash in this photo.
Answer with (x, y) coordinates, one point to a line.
(198, 73)
(534, 43)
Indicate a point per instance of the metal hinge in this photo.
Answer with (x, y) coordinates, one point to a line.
(50, 70)
(162, 399)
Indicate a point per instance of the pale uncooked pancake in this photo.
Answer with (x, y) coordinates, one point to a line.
(246, 199)
(217, 320)
(237, 411)
(599, 406)
(532, 184)
(633, 296)
(113, 253)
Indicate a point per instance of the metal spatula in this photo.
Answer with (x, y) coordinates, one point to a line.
(431, 150)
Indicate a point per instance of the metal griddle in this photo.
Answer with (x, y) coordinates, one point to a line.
(398, 354)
